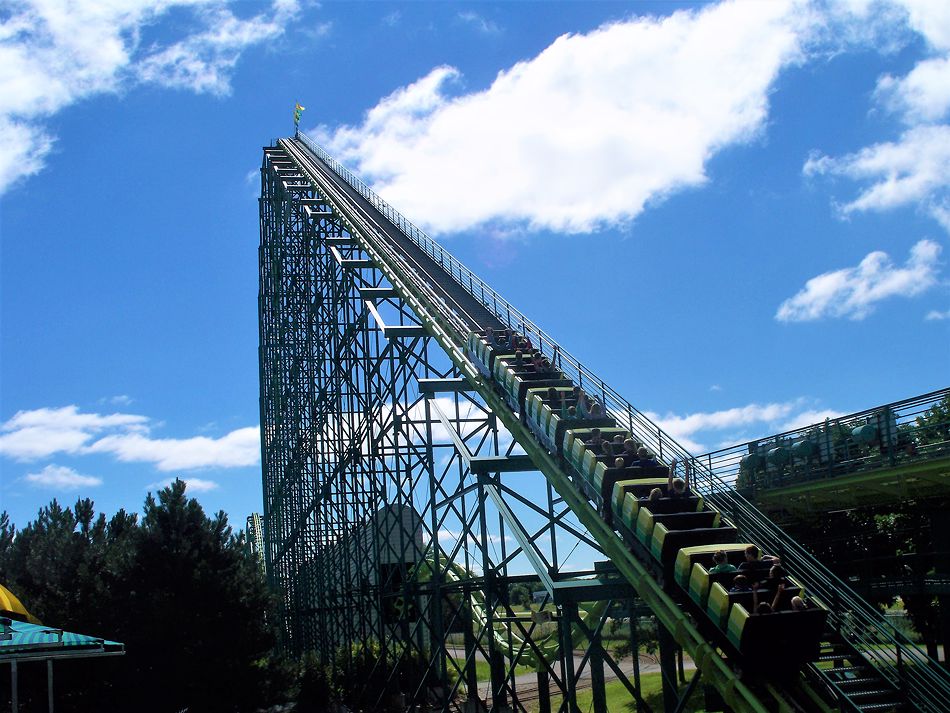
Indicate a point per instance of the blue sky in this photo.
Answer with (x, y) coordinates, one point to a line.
(736, 214)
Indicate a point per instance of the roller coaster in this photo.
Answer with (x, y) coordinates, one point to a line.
(352, 295)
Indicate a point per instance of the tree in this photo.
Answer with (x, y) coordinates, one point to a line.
(177, 588)
(519, 595)
(933, 425)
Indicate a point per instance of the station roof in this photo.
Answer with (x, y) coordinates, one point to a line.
(21, 640)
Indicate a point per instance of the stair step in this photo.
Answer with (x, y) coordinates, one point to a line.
(858, 681)
(846, 669)
(871, 707)
(869, 693)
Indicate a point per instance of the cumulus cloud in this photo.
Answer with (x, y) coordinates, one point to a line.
(587, 132)
(935, 315)
(55, 54)
(202, 62)
(915, 168)
(45, 432)
(694, 430)
(57, 477)
(923, 94)
(853, 292)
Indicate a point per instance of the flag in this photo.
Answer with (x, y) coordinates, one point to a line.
(297, 111)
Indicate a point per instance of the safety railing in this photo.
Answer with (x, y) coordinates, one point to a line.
(924, 681)
(649, 433)
(926, 684)
(894, 435)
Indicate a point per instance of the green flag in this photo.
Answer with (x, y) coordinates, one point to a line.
(297, 112)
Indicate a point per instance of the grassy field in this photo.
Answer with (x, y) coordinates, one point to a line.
(482, 672)
(620, 701)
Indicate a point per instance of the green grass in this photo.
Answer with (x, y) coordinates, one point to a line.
(483, 671)
(619, 699)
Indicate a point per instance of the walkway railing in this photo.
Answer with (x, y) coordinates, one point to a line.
(895, 435)
(925, 682)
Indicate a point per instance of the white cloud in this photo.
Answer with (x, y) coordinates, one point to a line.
(684, 429)
(693, 430)
(923, 94)
(487, 27)
(202, 62)
(587, 132)
(195, 485)
(57, 477)
(936, 315)
(807, 418)
(931, 18)
(44, 432)
(53, 54)
(118, 400)
(854, 292)
(241, 447)
(913, 170)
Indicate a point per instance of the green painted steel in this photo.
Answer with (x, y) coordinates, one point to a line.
(333, 376)
(452, 341)
(927, 688)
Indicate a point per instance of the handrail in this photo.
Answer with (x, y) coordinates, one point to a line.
(892, 654)
(899, 439)
(923, 680)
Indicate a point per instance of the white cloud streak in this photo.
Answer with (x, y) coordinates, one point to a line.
(694, 430)
(194, 485)
(238, 448)
(486, 27)
(854, 292)
(45, 432)
(60, 478)
(53, 54)
(588, 132)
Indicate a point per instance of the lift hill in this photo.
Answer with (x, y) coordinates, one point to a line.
(865, 664)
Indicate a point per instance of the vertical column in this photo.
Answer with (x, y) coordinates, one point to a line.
(940, 532)
(668, 668)
(568, 674)
(635, 649)
(596, 662)
(471, 676)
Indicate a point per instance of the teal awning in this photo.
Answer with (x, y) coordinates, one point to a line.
(22, 641)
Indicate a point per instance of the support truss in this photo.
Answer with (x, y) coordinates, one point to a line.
(379, 464)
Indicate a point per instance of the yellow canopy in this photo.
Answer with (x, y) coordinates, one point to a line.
(12, 607)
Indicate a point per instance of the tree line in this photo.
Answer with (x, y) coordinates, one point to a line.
(176, 586)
